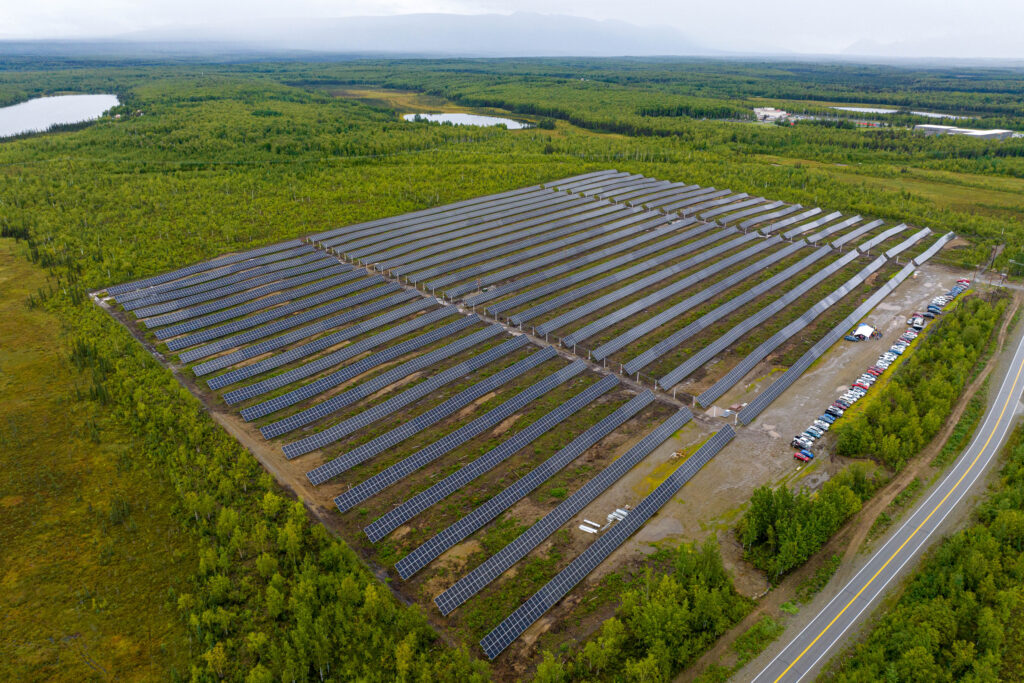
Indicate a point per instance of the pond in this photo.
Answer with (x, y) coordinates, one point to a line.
(38, 115)
(468, 120)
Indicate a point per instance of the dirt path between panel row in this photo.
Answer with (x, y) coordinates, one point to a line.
(851, 537)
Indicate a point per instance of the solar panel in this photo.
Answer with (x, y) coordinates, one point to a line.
(618, 185)
(398, 516)
(341, 271)
(260, 304)
(591, 233)
(505, 221)
(770, 216)
(147, 297)
(446, 444)
(750, 212)
(423, 259)
(317, 345)
(692, 209)
(675, 199)
(807, 227)
(364, 390)
(578, 178)
(748, 324)
(707, 215)
(432, 548)
(631, 190)
(274, 343)
(200, 267)
(530, 611)
(833, 229)
(695, 199)
(497, 564)
(637, 197)
(934, 249)
(580, 186)
(881, 237)
(343, 354)
(454, 220)
(854, 234)
(590, 254)
(672, 193)
(630, 289)
(574, 278)
(765, 398)
(907, 243)
(410, 428)
(308, 316)
(663, 293)
(213, 278)
(776, 340)
(146, 308)
(424, 389)
(423, 214)
(673, 312)
(778, 225)
(251, 321)
(570, 230)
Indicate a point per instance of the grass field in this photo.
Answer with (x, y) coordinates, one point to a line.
(90, 556)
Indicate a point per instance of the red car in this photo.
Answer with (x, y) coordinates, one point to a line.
(865, 387)
(875, 371)
(801, 457)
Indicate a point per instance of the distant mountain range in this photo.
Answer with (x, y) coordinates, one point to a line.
(423, 35)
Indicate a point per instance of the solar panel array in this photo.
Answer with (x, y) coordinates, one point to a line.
(907, 243)
(675, 339)
(497, 564)
(516, 623)
(702, 295)
(449, 442)
(326, 362)
(776, 340)
(361, 391)
(417, 424)
(285, 329)
(315, 346)
(880, 237)
(763, 400)
(390, 521)
(739, 330)
(635, 287)
(364, 365)
(432, 548)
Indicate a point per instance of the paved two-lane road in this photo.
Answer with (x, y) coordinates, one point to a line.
(820, 637)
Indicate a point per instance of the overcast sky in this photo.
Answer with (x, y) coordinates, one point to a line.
(960, 28)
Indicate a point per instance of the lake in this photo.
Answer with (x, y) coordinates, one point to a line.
(468, 120)
(39, 114)
(878, 110)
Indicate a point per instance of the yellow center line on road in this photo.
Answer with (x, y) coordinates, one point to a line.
(896, 552)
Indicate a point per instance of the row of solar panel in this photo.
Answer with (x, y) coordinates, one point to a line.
(544, 599)
(410, 428)
(776, 340)
(675, 339)
(703, 294)
(404, 512)
(763, 400)
(353, 370)
(401, 469)
(494, 566)
(756, 319)
(372, 386)
(341, 355)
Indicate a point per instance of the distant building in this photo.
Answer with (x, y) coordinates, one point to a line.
(935, 129)
(769, 114)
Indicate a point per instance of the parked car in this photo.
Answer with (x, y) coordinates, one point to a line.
(806, 452)
(835, 411)
(814, 433)
(801, 442)
(875, 371)
(801, 457)
(898, 350)
(828, 417)
(822, 425)
(860, 385)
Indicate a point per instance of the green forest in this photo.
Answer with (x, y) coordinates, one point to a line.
(209, 158)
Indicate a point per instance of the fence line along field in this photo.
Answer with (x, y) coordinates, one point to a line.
(428, 375)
